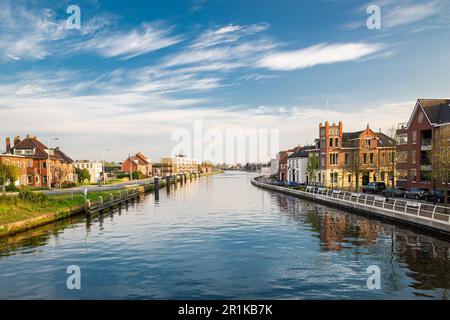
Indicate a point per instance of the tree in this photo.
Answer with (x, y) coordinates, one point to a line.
(392, 160)
(313, 166)
(83, 175)
(439, 157)
(8, 173)
(61, 174)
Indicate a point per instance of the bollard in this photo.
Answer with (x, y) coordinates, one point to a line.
(181, 179)
(156, 181)
(100, 199)
(88, 203)
(111, 197)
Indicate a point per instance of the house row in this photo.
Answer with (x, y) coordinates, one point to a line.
(349, 160)
(179, 164)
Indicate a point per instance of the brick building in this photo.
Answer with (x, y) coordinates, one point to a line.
(138, 162)
(416, 138)
(351, 159)
(38, 165)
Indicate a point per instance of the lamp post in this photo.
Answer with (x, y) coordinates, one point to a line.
(49, 172)
(103, 165)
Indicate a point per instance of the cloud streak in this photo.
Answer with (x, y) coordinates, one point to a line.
(316, 55)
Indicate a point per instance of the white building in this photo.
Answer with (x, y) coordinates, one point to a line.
(297, 166)
(274, 165)
(95, 168)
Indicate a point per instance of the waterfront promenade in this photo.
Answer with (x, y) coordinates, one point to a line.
(416, 214)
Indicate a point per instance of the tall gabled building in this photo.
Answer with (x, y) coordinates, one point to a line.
(429, 119)
(351, 159)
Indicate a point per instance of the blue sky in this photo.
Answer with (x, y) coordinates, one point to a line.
(138, 70)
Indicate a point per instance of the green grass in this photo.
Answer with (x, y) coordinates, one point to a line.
(13, 209)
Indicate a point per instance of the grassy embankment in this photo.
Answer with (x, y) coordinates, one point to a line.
(30, 209)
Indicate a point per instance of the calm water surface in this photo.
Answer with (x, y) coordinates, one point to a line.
(220, 237)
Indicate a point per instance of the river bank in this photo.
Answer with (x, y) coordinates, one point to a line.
(429, 218)
(19, 215)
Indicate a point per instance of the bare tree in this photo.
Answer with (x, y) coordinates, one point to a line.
(439, 158)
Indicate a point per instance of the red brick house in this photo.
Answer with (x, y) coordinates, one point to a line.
(138, 162)
(37, 163)
(416, 138)
(283, 163)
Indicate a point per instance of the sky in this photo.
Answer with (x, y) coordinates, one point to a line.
(137, 71)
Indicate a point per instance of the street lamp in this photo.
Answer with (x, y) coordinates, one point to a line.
(103, 165)
(49, 173)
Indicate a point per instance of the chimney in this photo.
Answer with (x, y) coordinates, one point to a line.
(16, 140)
(8, 145)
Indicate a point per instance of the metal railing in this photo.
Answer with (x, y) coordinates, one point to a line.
(411, 208)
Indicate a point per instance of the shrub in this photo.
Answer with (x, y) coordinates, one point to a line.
(27, 195)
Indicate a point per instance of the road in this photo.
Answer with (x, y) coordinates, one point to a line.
(99, 188)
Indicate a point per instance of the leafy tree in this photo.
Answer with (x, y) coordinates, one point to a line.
(313, 166)
(83, 175)
(8, 172)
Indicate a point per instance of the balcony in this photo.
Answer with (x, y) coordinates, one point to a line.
(425, 144)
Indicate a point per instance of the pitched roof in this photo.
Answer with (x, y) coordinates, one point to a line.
(141, 159)
(40, 150)
(301, 153)
(349, 138)
(437, 110)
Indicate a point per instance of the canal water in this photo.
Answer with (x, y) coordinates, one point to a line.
(219, 237)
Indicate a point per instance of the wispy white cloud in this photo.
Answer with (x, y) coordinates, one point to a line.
(319, 54)
(409, 13)
(227, 34)
(149, 37)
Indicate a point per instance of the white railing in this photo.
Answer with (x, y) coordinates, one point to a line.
(423, 210)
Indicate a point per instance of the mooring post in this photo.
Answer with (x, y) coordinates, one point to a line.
(100, 199)
(156, 182)
(181, 179)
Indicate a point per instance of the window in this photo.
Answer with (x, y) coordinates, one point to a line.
(402, 175)
(413, 175)
(331, 142)
(322, 160)
(347, 158)
(322, 144)
(365, 158)
(414, 137)
(413, 156)
(333, 159)
(402, 138)
(383, 176)
(368, 143)
(334, 177)
(336, 142)
(425, 176)
(402, 156)
(349, 178)
(44, 164)
(371, 158)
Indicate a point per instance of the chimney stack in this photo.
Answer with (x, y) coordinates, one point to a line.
(8, 145)
(16, 140)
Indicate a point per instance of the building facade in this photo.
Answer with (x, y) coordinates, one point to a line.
(38, 165)
(297, 166)
(349, 160)
(138, 163)
(428, 126)
(180, 164)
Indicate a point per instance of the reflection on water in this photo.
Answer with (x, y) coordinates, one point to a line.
(220, 237)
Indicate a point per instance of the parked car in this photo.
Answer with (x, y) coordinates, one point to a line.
(436, 196)
(416, 193)
(394, 192)
(374, 187)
